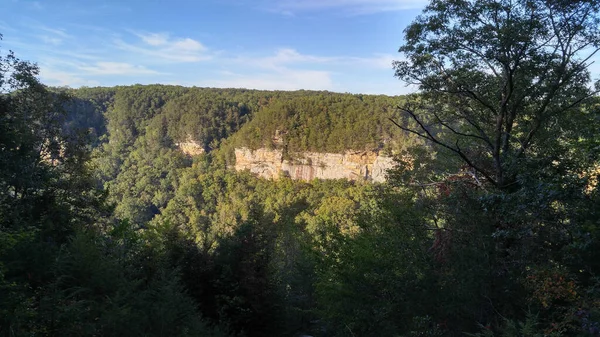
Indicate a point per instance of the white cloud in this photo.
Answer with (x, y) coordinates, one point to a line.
(62, 78)
(116, 68)
(289, 57)
(117, 57)
(382, 61)
(161, 47)
(282, 57)
(283, 79)
(52, 36)
(51, 40)
(187, 44)
(155, 39)
(288, 69)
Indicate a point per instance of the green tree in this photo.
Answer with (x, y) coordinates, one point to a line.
(46, 189)
(505, 88)
(377, 281)
(498, 77)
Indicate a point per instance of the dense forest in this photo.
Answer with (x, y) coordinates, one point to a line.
(489, 225)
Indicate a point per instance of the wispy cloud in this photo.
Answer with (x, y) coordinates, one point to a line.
(51, 40)
(281, 79)
(116, 68)
(59, 78)
(378, 61)
(62, 61)
(108, 43)
(161, 47)
(289, 69)
(289, 56)
(282, 57)
(35, 5)
(52, 36)
(4, 27)
(155, 39)
(56, 31)
(352, 7)
(107, 57)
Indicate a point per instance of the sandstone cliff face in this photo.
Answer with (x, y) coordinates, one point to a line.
(363, 165)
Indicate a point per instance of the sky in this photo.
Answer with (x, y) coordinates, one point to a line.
(335, 45)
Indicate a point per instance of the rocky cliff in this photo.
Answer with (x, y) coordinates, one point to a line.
(352, 165)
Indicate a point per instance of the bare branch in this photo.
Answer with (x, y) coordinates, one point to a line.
(427, 135)
(458, 132)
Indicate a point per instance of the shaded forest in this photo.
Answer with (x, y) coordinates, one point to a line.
(489, 225)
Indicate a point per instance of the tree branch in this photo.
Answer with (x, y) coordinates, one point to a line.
(427, 135)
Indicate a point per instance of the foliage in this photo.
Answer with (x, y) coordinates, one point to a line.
(372, 284)
(65, 267)
(323, 122)
(505, 88)
(498, 78)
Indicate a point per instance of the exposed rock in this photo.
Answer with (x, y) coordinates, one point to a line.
(380, 167)
(191, 147)
(353, 165)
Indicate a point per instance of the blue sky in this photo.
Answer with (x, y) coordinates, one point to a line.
(337, 45)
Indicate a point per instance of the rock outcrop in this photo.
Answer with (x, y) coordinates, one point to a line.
(352, 165)
(191, 147)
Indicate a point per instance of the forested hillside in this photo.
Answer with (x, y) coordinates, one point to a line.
(344, 121)
(135, 132)
(489, 224)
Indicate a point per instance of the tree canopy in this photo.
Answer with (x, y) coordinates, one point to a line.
(498, 78)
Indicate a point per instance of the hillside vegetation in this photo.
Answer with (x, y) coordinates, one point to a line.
(308, 120)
